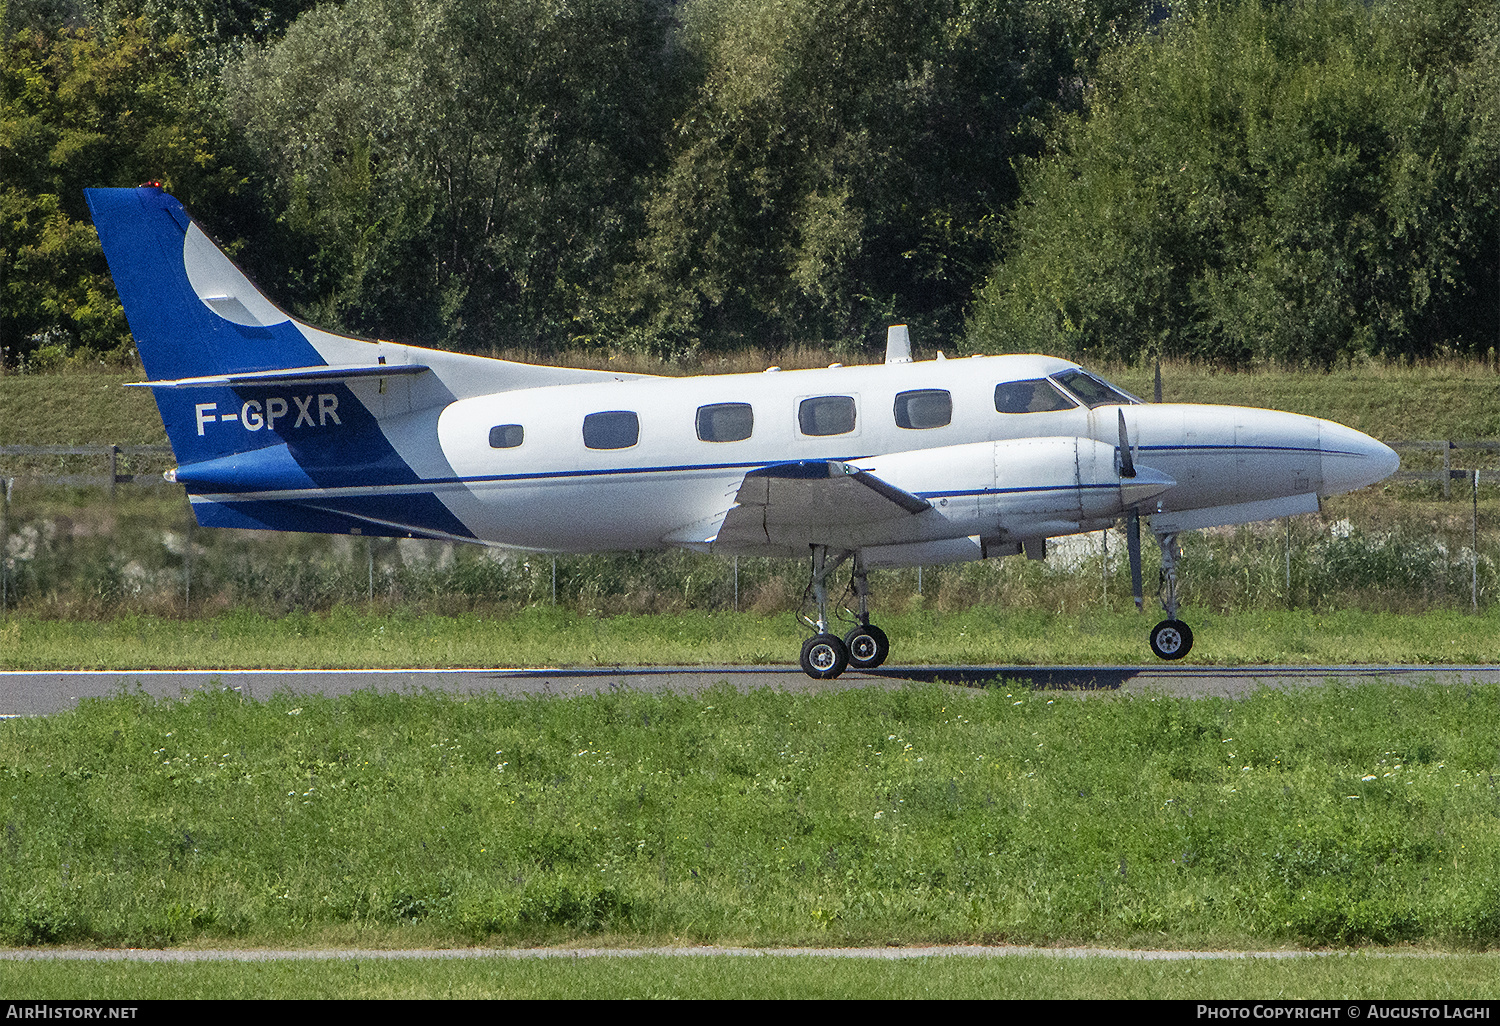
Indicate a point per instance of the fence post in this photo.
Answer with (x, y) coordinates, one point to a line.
(5, 483)
(187, 561)
(1474, 543)
(736, 584)
(114, 466)
(1104, 547)
(1289, 562)
(1447, 468)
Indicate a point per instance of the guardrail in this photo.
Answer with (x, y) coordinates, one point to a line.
(1447, 447)
(110, 453)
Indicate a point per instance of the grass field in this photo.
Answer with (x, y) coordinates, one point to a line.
(1343, 816)
(1365, 975)
(555, 636)
(1443, 400)
(929, 814)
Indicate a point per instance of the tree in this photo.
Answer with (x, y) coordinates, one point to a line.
(463, 173)
(80, 110)
(1292, 182)
(841, 162)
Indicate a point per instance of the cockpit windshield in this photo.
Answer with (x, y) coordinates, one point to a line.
(1093, 391)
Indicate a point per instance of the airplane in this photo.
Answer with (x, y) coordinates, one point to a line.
(276, 424)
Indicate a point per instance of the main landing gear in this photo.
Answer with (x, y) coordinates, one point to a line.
(825, 655)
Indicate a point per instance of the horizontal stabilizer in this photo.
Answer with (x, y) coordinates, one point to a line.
(289, 375)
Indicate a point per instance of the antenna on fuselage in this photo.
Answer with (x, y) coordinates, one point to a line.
(897, 344)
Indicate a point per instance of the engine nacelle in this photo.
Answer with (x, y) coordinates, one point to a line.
(1022, 489)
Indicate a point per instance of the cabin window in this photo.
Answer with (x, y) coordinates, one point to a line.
(1094, 391)
(725, 422)
(1037, 396)
(506, 436)
(924, 408)
(826, 415)
(615, 429)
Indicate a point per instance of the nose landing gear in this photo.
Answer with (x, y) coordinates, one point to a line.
(1170, 639)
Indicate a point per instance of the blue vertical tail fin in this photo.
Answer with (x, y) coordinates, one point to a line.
(195, 315)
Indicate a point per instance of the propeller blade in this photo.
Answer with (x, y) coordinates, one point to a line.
(1127, 462)
(1133, 544)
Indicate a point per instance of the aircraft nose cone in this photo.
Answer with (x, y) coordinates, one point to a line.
(1352, 459)
(1147, 484)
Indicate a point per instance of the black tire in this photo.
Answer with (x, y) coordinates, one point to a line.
(1171, 639)
(824, 656)
(868, 646)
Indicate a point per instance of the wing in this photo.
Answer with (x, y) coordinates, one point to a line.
(784, 508)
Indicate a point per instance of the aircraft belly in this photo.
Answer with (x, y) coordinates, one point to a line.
(594, 513)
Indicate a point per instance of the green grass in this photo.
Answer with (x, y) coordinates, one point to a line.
(1458, 400)
(555, 636)
(1332, 816)
(1342, 977)
(1443, 400)
(77, 409)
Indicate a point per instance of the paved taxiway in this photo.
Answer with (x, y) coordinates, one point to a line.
(38, 693)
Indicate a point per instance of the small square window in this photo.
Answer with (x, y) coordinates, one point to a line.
(506, 436)
(616, 429)
(924, 408)
(826, 415)
(725, 422)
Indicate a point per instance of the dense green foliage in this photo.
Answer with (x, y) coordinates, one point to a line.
(464, 172)
(1333, 815)
(1304, 182)
(75, 110)
(839, 162)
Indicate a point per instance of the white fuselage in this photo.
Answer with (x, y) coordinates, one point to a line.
(992, 475)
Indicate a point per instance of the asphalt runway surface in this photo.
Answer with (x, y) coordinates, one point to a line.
(42, 692)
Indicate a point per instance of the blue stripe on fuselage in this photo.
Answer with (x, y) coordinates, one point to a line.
(389, 516)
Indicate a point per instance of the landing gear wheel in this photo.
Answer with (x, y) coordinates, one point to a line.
(824, 656)
(868, 646)
(1171, 639)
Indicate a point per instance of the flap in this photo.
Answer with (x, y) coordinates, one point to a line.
(815, 500)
